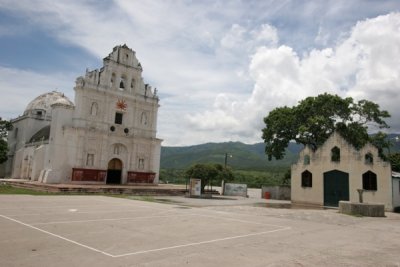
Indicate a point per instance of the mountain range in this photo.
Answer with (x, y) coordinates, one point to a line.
(240, 156)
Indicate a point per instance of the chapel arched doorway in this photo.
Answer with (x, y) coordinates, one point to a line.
(114, 171)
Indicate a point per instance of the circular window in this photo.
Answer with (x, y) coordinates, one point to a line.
(112, 128)
(126, 130)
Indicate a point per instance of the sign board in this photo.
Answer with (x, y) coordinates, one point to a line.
(235, 190)
(195, 187)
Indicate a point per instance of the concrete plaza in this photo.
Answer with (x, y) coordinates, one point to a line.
(107, 231)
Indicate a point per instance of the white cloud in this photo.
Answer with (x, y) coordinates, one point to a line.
(220, 66)
(365, 65)
(19, 87)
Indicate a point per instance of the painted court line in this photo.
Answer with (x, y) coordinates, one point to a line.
(76, 212)
(238, 220)
(199, 243)
(53, 207)
(58, 236)
(115, 219)
(150, 250)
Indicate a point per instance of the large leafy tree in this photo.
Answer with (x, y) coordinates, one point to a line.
(209, 173)
(5, 126)
(314, 119)
(395, 161)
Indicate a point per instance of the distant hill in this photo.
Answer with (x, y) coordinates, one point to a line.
(241, 156)
(244, 156)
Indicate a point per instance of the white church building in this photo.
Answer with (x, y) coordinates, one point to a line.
(107, 137)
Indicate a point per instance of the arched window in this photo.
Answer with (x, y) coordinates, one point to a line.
(306, 179)
(143, 118)
(369, 181)
(122, 82)
(369, 159)
(112, 79)
(306, 159)
(335, 154)
(93, 109)
(132, 83)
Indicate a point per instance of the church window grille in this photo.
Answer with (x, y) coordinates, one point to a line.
(369, 181)
(306, 179)
(118, 118)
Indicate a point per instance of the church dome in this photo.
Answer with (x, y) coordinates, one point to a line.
(44, 102)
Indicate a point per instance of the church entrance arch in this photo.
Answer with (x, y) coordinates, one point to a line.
(114, 171)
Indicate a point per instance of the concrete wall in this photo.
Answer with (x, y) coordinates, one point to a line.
(276, 192)
(235, 190)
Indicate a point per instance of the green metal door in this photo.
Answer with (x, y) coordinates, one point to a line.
(336, 187)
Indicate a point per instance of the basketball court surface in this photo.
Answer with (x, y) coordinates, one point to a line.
(107, 231)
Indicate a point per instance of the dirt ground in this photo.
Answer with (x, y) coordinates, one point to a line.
(106, 231)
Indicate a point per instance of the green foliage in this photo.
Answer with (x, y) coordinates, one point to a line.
(277, 175)
(287, 177)
(256, 179)
(209, 173)
(173, 176)
(5, 126)
(395, 161)
(244, 156)
(314, 119)
(8, 189)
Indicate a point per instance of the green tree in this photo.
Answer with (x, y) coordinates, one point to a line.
(5, 126)
(209, 173)
(395, 161)
(314, 119)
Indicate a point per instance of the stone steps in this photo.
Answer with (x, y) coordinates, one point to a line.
(96, 189)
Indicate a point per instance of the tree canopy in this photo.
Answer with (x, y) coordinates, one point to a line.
(5, 126)
(395, 161)
(314, 119)
(209, 173)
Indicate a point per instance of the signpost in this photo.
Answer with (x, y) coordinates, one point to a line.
(195, 187)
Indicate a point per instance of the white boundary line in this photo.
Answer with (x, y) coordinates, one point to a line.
(78, 212)
(115, 219)
(58, 236)
(199, 243)
(157, 249)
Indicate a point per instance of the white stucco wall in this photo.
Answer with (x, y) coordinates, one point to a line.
(351, 162)
(76, 131)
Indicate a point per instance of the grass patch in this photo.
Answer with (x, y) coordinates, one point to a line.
(6, 189)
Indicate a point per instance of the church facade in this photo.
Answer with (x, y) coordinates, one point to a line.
(336, 171)
(108, 136)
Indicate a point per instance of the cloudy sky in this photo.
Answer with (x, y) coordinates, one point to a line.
(219, 66)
